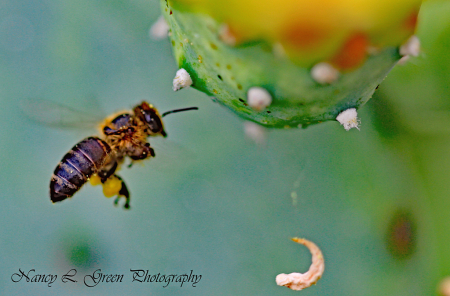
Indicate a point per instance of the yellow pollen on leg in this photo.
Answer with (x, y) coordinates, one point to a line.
(112, 187)
(95, 180)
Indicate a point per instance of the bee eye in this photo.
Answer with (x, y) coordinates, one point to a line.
(153, 122)
(148, 118)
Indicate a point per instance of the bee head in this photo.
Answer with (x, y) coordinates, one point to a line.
(148, 114)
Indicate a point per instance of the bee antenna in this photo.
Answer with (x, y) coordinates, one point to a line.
(179, 110)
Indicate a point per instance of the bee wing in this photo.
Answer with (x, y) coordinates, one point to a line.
(169, 155)
(57, 115)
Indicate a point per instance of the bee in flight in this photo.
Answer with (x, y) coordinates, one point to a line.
(96, 159)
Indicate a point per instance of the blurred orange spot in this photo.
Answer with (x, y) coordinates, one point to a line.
(229, 35)
(353, 53)
(401, 235)
(411, 21)
(303, 35)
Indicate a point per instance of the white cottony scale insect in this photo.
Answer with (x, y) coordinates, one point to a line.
(258, 98)
(348, 119)
(160, 29)
(182, 79)
(411, 47)
(324, 73)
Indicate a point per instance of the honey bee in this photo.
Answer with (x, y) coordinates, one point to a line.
(96, 159)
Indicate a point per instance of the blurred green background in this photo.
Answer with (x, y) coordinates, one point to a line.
(377, 201)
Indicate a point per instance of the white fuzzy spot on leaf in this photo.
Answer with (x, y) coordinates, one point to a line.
(348, 119)
(160, 29)
(258, 98)
(411, 47)
(182, 79)
(324, 73)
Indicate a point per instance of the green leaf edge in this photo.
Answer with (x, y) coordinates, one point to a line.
(297, 100)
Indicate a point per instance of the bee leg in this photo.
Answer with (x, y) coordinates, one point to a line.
(142, 152)
(123, 192)
(152, 152)
(115, 186)
(106, 173)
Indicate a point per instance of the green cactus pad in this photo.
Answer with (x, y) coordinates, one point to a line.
(227, 72)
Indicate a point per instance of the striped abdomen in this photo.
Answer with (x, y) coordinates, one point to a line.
(83, 160)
